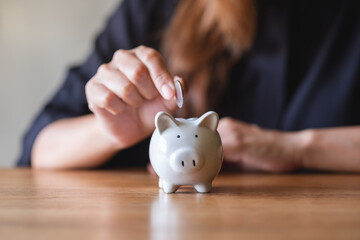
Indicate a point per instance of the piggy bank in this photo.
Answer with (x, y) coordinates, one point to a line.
(186, 151)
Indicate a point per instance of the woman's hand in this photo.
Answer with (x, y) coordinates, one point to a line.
(126, 94)
(254, 148)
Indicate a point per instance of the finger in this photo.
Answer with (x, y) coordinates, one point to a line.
(119, 84)
(101, 97)
(158, 71)
(136, 71)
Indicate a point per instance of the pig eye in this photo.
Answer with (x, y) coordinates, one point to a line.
(196, 135)
(178, 136)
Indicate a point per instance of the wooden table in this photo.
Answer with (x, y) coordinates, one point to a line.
(129, 205)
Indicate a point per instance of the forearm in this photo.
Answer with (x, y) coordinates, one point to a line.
(252, 147)
(72, 143)
(333, 149)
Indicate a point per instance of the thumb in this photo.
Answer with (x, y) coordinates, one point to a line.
(170, 105)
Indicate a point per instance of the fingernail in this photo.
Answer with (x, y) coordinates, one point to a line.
(167, 91)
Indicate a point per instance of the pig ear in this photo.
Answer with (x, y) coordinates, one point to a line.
(164, 121)
(209, 120)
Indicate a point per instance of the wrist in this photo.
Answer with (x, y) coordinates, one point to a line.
(305, 139)
(103, 138)
(294, 147)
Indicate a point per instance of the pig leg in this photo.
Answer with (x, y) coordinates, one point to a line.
(160, 183)
(168, 187)
(203, 187)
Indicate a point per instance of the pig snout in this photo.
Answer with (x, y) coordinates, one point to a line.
(186, 160)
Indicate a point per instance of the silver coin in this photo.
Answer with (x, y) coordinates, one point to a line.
(179, 92)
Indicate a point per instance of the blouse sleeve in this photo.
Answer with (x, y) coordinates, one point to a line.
(134, 23)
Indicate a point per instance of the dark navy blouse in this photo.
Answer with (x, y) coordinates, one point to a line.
(303, 70)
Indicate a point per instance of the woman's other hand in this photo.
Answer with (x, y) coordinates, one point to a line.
(251, 147)
(126, 93)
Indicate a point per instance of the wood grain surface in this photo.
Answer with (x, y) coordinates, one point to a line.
(127, 204)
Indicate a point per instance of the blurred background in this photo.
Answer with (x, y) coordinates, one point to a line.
(39, 40)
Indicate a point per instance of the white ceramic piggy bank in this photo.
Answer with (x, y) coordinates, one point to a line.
(186, 151)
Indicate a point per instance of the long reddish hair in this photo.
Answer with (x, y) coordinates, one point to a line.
(203, 41)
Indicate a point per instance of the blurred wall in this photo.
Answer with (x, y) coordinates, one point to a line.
(39, 40)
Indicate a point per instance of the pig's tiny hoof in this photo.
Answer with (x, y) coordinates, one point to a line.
(203, 188)
(169, 188)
